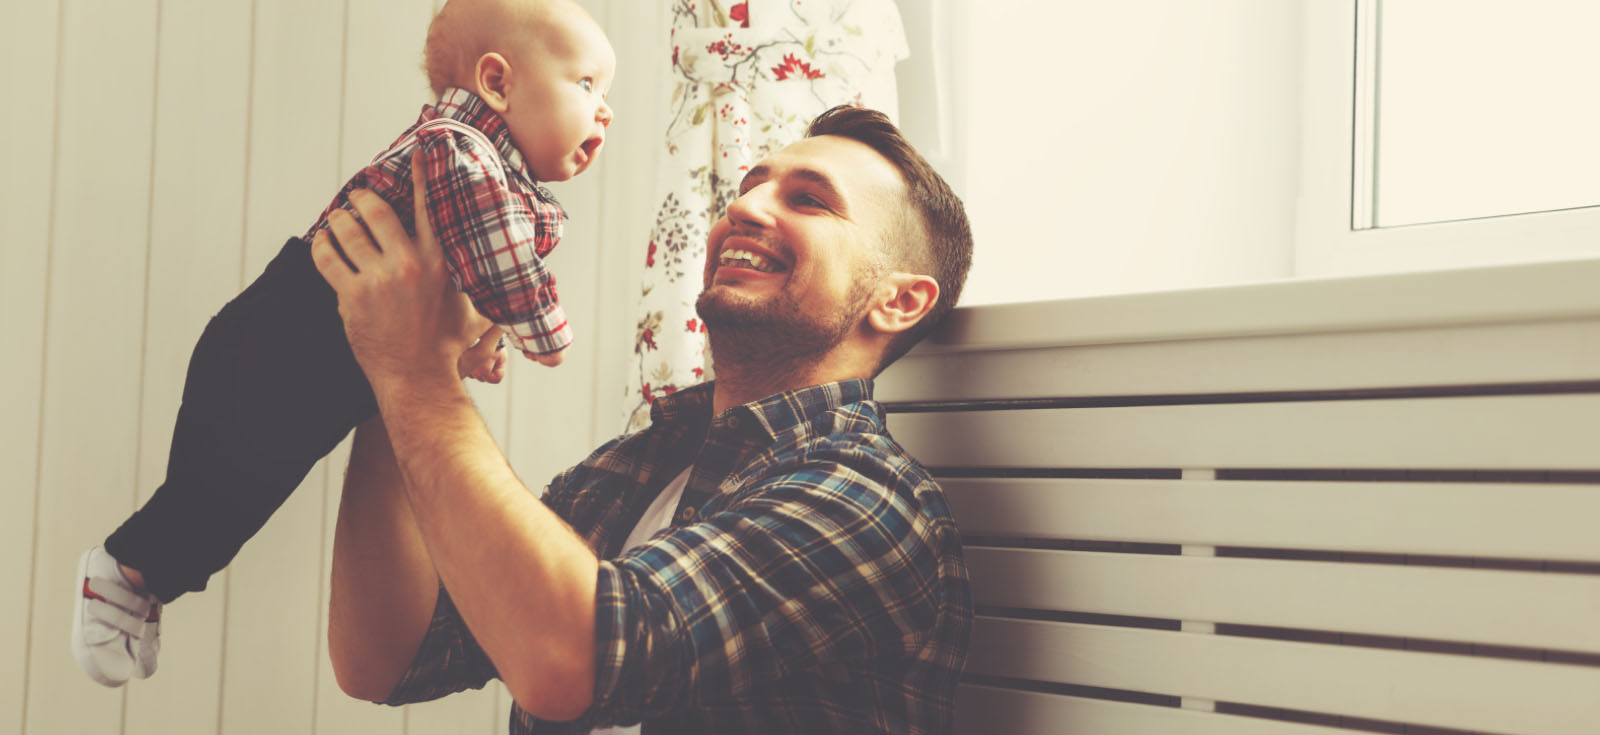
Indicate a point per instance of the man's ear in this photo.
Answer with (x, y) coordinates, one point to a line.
(902, 300)
(491, 76)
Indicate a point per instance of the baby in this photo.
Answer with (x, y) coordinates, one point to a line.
(272, 386)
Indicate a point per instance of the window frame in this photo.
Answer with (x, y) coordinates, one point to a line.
(1336, 150)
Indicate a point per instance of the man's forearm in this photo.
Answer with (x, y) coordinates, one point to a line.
(523, 581)
(384, 587)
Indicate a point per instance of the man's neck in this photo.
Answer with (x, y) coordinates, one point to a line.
(740, 381)
(736, 385)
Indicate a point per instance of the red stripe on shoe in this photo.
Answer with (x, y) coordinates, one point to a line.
(91, 594)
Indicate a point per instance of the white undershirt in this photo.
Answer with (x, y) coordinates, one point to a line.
(655, 518)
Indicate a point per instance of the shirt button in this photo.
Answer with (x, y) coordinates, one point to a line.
(686, 515)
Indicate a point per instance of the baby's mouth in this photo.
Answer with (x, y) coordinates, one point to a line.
(590, 148)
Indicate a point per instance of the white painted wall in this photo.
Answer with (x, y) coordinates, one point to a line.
(1115, 147)
(160, 153)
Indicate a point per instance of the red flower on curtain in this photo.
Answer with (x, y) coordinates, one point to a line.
(650, 393)
(794, 66)
(728, 47)
(740, 13)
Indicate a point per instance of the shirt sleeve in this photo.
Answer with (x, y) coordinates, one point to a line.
(448, 661)
(494, 239)
(449, 658)
(821, 565)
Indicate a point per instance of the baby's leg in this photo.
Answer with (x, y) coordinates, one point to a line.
(272, 388)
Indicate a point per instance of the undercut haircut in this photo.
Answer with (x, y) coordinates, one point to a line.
(940, 243)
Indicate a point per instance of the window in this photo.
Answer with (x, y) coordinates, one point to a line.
(1448, 133)
(1482, 109)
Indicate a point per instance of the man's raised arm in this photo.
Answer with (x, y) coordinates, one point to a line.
(384, 585)
(523, 582)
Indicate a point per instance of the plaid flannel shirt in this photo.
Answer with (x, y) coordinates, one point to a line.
(493, 220)
(811, 581)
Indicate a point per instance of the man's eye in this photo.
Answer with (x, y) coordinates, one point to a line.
(587, 83)
(806, 200)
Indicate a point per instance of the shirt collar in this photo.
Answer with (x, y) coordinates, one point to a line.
(769, 418)
(463, 106)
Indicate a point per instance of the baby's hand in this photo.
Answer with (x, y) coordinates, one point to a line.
(486, 360)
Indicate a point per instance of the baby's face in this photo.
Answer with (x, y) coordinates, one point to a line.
(556, 104)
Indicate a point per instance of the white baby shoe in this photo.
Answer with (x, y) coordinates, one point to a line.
(116, 629)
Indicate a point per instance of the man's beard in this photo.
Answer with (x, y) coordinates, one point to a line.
(776, 335)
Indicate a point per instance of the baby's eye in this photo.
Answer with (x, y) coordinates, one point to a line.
(587, 83)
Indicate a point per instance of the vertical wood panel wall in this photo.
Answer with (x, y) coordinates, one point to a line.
(158, 154)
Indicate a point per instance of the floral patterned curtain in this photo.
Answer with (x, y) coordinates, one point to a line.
(750, 76)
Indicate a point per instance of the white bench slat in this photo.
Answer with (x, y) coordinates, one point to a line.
(1556, 611)
(1522, 293)
(1546, 432)
(984, 710)
(1424, 688)
(1545, 521)
(1473, 355)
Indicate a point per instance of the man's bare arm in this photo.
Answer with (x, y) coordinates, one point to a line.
(385, 588)
(384, 584)
(523, 581)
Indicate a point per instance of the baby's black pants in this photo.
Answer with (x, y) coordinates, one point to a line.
(272, 388)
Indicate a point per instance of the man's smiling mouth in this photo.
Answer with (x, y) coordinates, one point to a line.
(740, 258)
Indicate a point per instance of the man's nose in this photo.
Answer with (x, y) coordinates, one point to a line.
(753, 207)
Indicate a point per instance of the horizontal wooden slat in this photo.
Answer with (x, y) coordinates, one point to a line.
(1550, 291)
(1464, 692)
(1525, 609)
(984, 710)
(1498, 432)
(1561, 351)
(1532, 521)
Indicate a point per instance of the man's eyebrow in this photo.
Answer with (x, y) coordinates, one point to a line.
(820, 180)
(811, 176)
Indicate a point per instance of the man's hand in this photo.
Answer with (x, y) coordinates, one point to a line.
(402, 315)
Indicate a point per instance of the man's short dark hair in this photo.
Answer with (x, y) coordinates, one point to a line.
(946, 253)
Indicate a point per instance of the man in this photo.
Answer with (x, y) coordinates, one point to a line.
(809, 576)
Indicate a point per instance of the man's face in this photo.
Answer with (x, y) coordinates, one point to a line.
(795, 258)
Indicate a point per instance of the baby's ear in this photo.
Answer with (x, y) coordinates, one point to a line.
(490, 77)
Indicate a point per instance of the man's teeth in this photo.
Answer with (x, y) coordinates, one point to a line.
(747, 259)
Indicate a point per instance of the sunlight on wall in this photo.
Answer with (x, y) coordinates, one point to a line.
(1114, 147)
